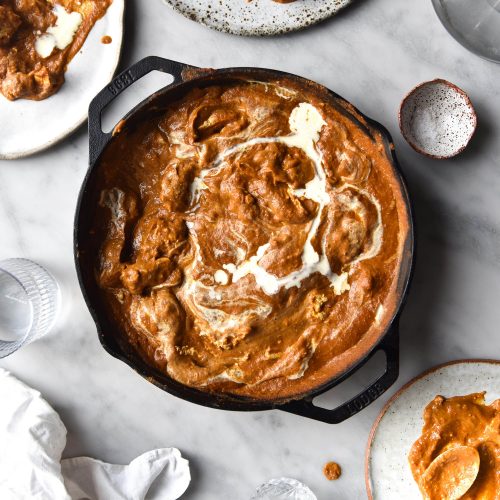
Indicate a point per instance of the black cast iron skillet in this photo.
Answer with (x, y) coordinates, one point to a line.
(186, 77)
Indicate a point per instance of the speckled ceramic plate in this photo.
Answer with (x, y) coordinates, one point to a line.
(257, 17)
(27, 127)
(388, 474)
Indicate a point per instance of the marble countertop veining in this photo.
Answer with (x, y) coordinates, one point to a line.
(372, 54)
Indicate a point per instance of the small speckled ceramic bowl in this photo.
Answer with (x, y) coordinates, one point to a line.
(437, 119)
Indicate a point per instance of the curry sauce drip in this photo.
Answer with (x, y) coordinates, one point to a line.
(244, 247)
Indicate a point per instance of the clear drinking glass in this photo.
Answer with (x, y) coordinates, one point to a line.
(473, 23)
(29, 302)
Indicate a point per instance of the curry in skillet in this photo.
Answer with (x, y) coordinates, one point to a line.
(248, 238)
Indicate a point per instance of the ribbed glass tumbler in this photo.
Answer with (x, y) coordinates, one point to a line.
(29, 303)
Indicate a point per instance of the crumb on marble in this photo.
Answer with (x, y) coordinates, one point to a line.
(332, 471)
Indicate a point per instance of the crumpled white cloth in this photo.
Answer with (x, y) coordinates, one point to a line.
(32, 439)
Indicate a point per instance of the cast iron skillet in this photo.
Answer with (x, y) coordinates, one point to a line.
(186, 77)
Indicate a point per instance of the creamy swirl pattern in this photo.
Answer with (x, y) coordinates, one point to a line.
(305, 124)
(249, 238)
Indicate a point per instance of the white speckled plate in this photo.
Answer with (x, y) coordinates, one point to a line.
(388, 474)
(27, 127)
(257, 17)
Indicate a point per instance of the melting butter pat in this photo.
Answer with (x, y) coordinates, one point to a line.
(61, 34)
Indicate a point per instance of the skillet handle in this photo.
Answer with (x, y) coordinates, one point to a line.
(390, 346)
(97, 138)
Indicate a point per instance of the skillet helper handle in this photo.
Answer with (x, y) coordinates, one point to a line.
(97, 138)
(390, 345)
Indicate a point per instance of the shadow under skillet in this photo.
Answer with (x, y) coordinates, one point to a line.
(436, 228)
(430, 273)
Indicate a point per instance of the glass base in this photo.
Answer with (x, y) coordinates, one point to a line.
(475, 24)
(283, 488)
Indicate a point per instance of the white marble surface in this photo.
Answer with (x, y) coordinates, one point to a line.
(372, 54)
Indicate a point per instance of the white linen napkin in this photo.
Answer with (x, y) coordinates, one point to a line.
(32, 438)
